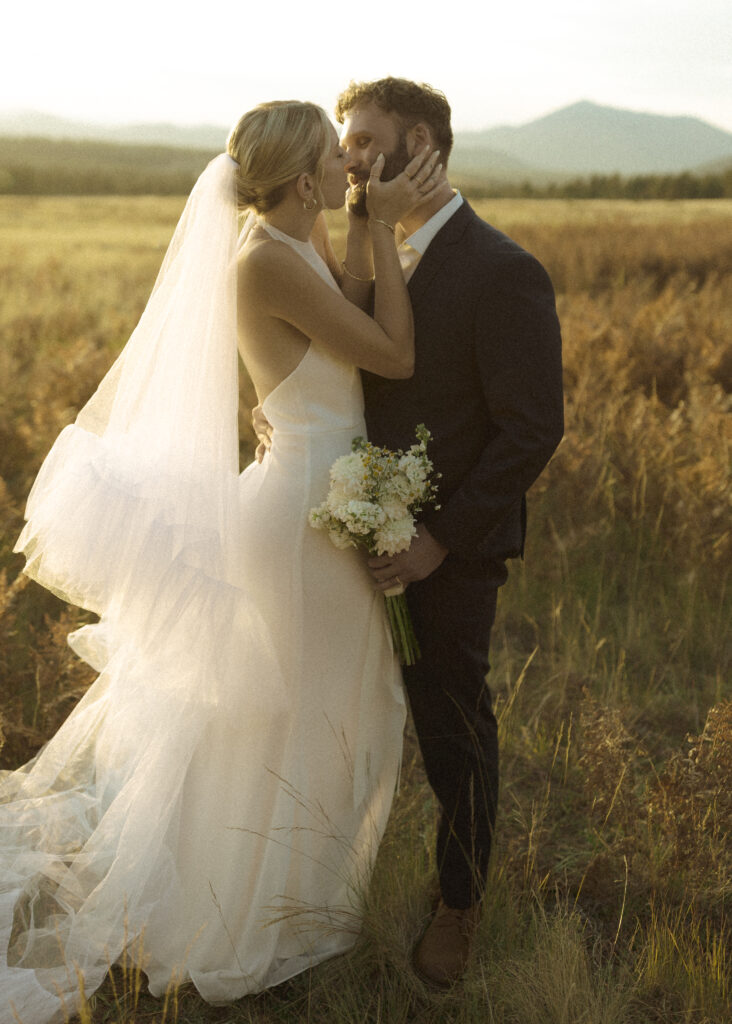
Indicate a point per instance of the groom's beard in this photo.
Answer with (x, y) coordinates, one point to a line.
(394, 164)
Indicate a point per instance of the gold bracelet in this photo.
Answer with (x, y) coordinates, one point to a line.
(355, 278)
(378, 220)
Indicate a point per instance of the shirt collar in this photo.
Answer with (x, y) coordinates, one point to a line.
(422, 237)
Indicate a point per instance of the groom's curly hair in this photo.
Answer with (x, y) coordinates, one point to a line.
(412, 102)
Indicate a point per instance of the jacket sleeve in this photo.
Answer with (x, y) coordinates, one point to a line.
(519, 362)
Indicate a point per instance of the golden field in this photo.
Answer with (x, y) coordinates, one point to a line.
(612, 877)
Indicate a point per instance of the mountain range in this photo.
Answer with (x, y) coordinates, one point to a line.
(578, 140)
(586, 138)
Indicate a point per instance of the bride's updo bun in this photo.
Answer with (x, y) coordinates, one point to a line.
(273, 144)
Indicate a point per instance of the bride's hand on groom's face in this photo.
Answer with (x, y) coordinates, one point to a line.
(392, 200)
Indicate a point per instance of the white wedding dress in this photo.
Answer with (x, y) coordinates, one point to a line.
(214, 804)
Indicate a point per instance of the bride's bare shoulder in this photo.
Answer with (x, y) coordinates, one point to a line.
(265, 262)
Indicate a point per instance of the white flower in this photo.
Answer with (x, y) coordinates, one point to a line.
(395, 535)
(416, 471)
(394, 507)
(320, 517)
(341, 539)
(348, 474)
(397, 487)
(360, 517)
(338, 497)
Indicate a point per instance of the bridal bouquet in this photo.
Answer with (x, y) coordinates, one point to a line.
(373, 498)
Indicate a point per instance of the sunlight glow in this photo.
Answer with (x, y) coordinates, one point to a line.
(497, 64)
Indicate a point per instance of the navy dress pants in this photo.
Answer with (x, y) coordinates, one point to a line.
(453, 612)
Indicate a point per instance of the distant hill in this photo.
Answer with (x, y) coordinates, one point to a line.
(586, 138)
(470, 162)
(476, 164)
(32, 123)
(39, 152)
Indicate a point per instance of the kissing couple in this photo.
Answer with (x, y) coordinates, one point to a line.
(214, 804)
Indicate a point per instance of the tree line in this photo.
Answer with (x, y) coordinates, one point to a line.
(638, 186)
(35, 166)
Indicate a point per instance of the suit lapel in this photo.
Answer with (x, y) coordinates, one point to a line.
(441, 248)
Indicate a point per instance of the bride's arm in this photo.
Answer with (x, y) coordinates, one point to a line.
(276, 281)
(355, 274)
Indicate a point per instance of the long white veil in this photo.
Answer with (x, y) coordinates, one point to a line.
(145, 472)
(134, 515)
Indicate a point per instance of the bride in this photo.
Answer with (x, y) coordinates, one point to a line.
(213, 805)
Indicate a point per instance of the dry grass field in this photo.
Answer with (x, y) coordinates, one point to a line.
(611, 884)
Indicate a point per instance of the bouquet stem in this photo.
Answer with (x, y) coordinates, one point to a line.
(402, 631)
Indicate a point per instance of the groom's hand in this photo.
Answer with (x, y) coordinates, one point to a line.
(421, 558)
(263, 430)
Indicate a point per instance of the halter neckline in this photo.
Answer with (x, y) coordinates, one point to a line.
(282, 236)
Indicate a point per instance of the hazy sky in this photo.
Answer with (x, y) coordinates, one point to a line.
(190, 61)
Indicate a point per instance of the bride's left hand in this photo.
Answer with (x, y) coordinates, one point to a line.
(392, 200)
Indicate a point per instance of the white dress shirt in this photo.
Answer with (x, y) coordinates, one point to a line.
(413, 248)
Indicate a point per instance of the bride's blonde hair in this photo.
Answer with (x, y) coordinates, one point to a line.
(273, 144)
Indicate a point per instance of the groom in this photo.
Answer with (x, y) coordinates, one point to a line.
(488, 386)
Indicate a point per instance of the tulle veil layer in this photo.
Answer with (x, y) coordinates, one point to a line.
(134, 515)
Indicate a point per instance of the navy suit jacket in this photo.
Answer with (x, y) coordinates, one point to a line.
(487, 384)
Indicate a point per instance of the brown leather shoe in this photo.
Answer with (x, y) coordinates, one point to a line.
(442, 953)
